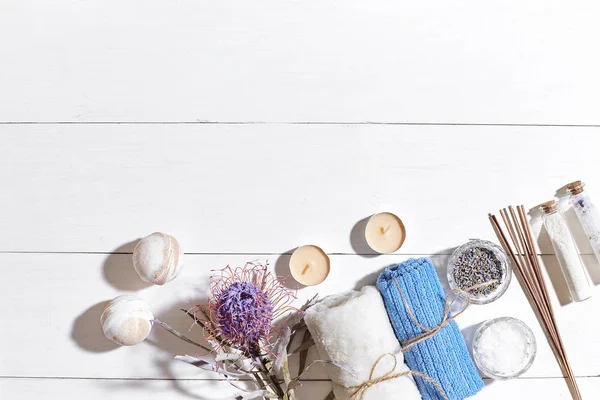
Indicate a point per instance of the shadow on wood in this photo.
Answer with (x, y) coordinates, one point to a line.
(359, 242)
(183, 324)
(170, 346)
(118, 269)
(370, 279)
(87, 332)
(469, 333)
(282, 271)
(440, 261)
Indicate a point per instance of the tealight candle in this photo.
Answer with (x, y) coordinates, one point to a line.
(309, 265)
(385, 232)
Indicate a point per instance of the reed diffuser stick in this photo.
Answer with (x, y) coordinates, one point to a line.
(542, 301)
(523, 255)
(538, 272)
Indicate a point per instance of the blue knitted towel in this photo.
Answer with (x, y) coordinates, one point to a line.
(444, 356)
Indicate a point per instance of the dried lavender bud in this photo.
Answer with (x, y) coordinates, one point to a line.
(476, 266)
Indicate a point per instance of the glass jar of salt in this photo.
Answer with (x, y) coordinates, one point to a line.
(566, 252)
(480, 268)
(504, 348)
(586, 213)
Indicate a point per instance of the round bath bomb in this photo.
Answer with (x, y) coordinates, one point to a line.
(126, 320)
(158, 258)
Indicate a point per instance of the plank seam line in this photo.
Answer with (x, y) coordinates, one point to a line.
(211, 253)
(247, 254)
(295, 123)
(68, 378)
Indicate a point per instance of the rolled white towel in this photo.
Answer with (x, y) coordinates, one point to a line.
(352, 328)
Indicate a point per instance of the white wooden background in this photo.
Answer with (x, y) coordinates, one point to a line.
(247, 128)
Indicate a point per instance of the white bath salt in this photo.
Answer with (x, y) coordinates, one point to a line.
(568, 257)
(504, 348)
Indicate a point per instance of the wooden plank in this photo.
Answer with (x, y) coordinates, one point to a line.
(29, 389)
(345, 61)
(55, 389)
(51, 324)
(270, 188)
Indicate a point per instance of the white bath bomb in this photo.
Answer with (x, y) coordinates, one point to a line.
(158, 258)
(126, 320)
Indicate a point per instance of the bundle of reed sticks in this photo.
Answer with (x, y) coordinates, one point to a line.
(523, 255)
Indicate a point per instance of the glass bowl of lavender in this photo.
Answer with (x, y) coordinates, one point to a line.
(480, 268)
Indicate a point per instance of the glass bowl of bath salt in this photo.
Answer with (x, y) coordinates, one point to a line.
(480, 268)
(504, 348)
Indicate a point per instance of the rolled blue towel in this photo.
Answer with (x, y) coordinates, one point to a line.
(444, 356)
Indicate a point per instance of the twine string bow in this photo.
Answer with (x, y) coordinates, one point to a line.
(360, 389)
(446, 317)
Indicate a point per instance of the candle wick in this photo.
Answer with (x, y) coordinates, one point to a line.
(306, 267)
(384, 230)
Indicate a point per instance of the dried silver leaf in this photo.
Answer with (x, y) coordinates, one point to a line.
(310, 302)
(280, 348)
(208, 366)
(197, 362)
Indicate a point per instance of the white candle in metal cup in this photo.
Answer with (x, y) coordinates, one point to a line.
(309, 265)
(385, 232)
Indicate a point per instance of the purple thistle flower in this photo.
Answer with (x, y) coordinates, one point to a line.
(243, 306)
(244, 312)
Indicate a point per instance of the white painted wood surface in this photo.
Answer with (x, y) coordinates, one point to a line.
(269, 188)
(217, 390)
(246, 129)
(329, 60)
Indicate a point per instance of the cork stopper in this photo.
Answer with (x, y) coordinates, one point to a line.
(549, 207)
(575, 187)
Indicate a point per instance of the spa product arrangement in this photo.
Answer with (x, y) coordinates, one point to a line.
(523, 254)
(398, 339)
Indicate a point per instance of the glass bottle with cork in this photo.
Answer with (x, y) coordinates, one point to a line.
(566, 252)
(586, 213)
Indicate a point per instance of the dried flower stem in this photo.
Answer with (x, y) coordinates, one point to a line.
(285, 370)
(179, 335)
(219, 339)
(272, 378)
(267, 379)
